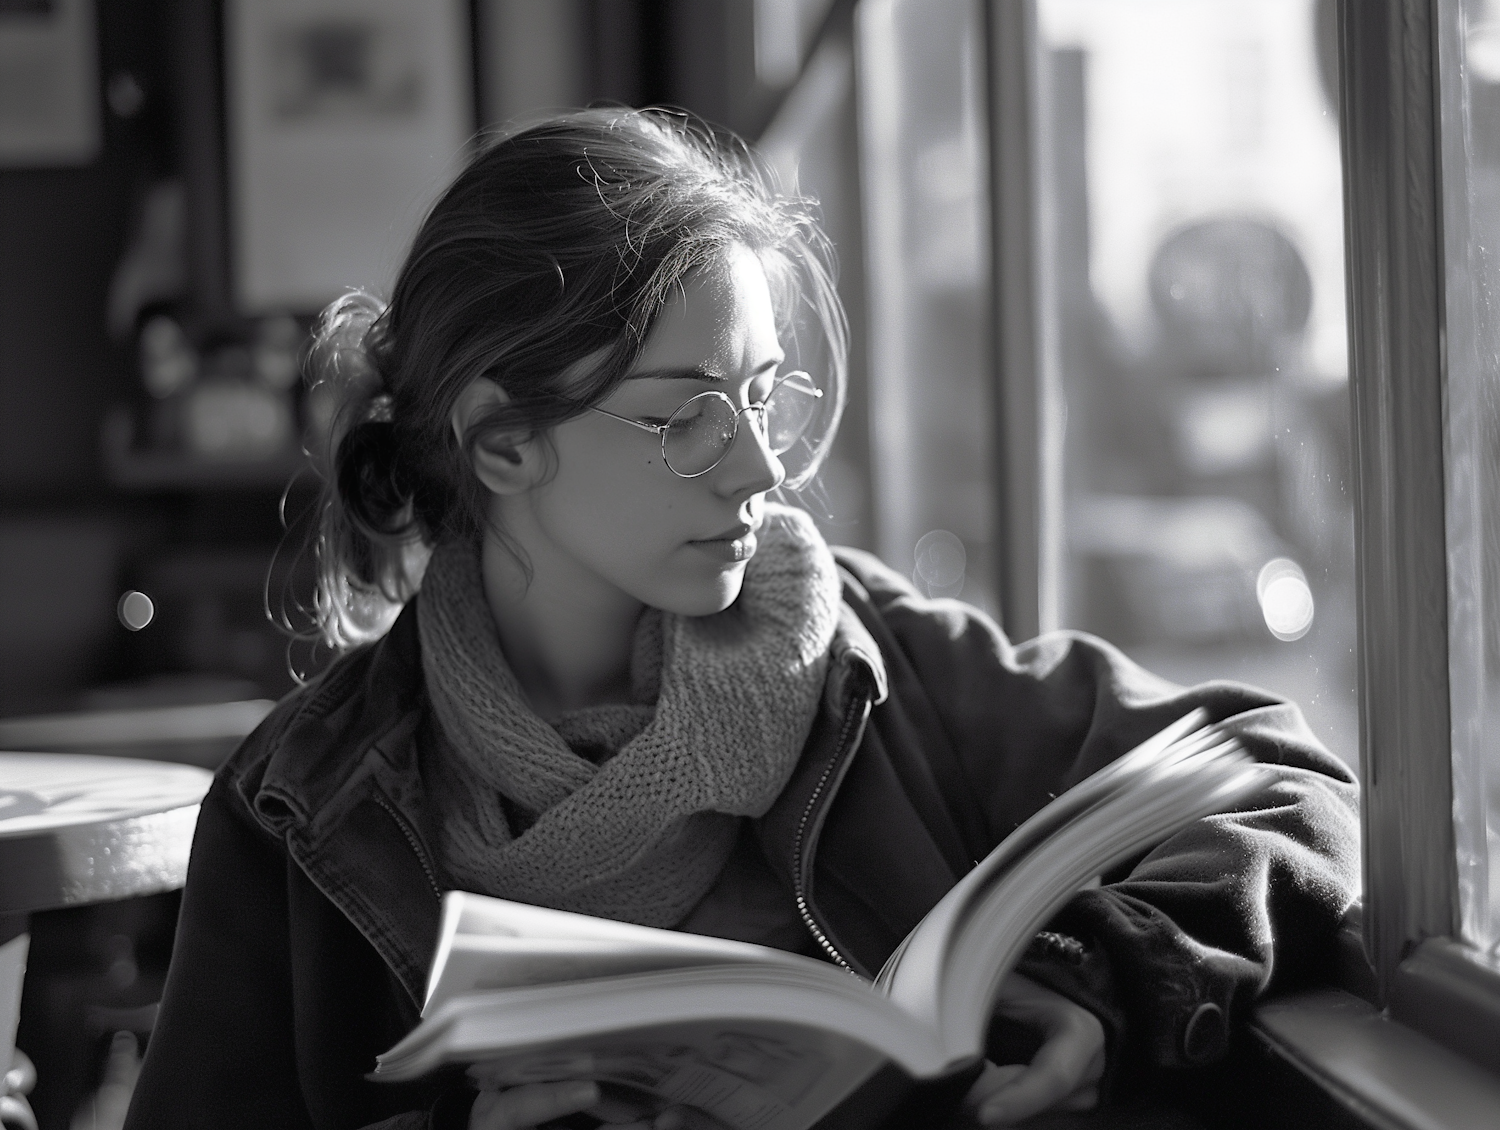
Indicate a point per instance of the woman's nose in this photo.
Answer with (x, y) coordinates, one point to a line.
(749, 466)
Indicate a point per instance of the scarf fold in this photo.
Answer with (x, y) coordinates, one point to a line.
(626, 811)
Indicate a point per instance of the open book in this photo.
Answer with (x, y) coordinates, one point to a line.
(752, 1038)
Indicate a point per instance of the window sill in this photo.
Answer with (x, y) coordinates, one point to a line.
(1447, 991)
(1378, 1072)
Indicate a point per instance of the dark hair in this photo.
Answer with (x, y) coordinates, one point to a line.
(543, 267)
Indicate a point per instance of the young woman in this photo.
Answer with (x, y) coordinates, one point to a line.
(624, 681)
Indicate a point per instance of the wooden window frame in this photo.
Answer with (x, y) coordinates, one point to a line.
(1393, 233)
(1390, 114)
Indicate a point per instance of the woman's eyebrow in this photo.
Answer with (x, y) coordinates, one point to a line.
(698, 373)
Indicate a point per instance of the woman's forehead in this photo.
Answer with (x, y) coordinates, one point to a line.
(720, 321)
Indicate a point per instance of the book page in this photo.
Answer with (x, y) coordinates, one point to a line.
(478, 964)
(491, 943)
(803, 1004)
(739, 1075)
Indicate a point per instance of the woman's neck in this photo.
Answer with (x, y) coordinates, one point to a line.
(568, 638)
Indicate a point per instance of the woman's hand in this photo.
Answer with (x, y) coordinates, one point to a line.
(1063, 1075)
(524, 1107)
(530, 1105)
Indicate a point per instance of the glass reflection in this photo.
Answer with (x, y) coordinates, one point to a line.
(1469, 64)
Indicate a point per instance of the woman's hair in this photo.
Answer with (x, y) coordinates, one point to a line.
(543, 267)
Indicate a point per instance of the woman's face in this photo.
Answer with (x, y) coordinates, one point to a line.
(615, 512)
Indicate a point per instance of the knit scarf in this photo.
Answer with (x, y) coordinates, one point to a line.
(626, 811)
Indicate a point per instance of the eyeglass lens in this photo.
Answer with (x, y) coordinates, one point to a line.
(699, 433)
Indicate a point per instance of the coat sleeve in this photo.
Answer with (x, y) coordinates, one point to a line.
(1175, 946)
(223, 1051)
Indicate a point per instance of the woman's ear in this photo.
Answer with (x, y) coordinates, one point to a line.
(504, 464)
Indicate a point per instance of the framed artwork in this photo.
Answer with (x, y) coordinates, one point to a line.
(345, 120)
(49, 83)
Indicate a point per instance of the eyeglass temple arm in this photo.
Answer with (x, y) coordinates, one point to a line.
(803, 385)
(654, 429)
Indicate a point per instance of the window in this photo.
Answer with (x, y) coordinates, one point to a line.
(1197, 287)
(1469, 63)
(927, 246)
(1418, 85)
(1225, 348)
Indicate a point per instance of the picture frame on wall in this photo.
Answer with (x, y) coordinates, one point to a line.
(49, 84)
(345, 119)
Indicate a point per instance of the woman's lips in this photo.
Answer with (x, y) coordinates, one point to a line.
(732, 547)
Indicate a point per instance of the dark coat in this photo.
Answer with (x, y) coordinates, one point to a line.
(311, 907)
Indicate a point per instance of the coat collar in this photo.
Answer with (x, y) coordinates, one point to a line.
(333, 774)
(853, 653)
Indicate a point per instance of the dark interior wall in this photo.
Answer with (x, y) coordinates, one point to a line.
(61, 232)
(63, 535)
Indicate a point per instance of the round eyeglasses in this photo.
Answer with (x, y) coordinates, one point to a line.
(697, 436)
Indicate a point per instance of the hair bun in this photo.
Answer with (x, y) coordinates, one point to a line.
(370, 480)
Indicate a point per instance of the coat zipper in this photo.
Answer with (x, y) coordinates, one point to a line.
(411, 839)
(853, 716)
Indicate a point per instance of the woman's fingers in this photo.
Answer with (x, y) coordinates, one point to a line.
(1065, 1072)
(634, 1112)
(1061, 1077)
(1034, 1090)
(521, 1108)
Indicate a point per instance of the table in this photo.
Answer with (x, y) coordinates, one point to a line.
(76, 829)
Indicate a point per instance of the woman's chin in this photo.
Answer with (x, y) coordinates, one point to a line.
(703, 596)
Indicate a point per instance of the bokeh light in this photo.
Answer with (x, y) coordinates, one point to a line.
(941, 563)
(135, 610)
(1286, 599)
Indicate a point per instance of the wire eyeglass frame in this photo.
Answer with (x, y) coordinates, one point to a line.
(759, 411)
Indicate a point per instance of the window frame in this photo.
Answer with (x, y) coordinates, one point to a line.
(1394, 291)
(1028, 397)
(1426, 976)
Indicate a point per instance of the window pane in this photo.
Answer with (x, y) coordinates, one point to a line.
(922, 161)
(1197, 261)
(1469, 45)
